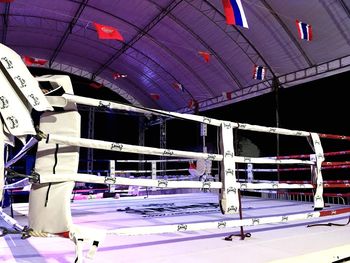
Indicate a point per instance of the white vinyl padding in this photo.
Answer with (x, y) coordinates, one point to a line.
(55, 217)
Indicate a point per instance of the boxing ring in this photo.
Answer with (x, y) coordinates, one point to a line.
(120, 224)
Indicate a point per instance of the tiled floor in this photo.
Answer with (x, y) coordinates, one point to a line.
(267, 243)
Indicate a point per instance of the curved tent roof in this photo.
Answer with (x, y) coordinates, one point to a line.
(163, 38)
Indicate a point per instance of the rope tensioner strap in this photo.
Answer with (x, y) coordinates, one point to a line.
(25, 232)
(34, 177)
(29, 145)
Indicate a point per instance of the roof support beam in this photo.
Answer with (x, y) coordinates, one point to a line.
(80, 72)
(161, 45)
(137, 37)
(288, 32)
(5, 22)
(243, 39)
(288, 80)
(144, 32)
(68, 31)
(212, 51)
(345, 7)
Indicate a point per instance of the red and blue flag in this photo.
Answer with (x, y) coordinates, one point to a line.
(234, 13)
(258, 72)
(305, 30)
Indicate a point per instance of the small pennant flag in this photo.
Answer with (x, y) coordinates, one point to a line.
(205, 55)
(305, 30)
(117, 75)
(234, 13)
(178, 86)
(34, 61)
(227, 95)
(155, 96)
(258, 72)
(95, 85)
(193, 104)
(108, 32)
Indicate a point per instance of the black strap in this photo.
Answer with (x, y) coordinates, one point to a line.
(330, 224)
(54, 172)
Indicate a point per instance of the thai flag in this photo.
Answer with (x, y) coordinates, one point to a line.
(234, 13)
(259, 72)
(305, 30)
(227, 95)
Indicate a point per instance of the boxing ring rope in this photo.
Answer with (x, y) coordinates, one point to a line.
(162, 183)
(119, 147)
(318, 157)
(154, 161)
(224, 224)
(164, 152)
(201, 119)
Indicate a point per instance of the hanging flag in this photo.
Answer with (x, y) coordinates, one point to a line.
(193, 104)
(234, 13)
(95, 85)
(227, 95)
(155, 96)
(33, 61)
(107, 32)
(258, 72)
(178, 86)
(117, 75)
(305, 30)
(206, 55)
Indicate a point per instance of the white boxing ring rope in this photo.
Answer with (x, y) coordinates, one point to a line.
(154, 161)
(120, 147)
(149, 171)
(229, 200)
(162, 183)
(201, 119)
(223, 224)
(228, 203)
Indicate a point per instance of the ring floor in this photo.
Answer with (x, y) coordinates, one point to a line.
(287, 242)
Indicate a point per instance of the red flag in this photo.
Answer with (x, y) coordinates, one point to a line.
(178, 86)
(206, 55)
(41, 61)
(155, 96)
(6, 1)
(31, 61)
(95, 85)
(227, 95)
(117, 75)
(192, 103)
(108, 32)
